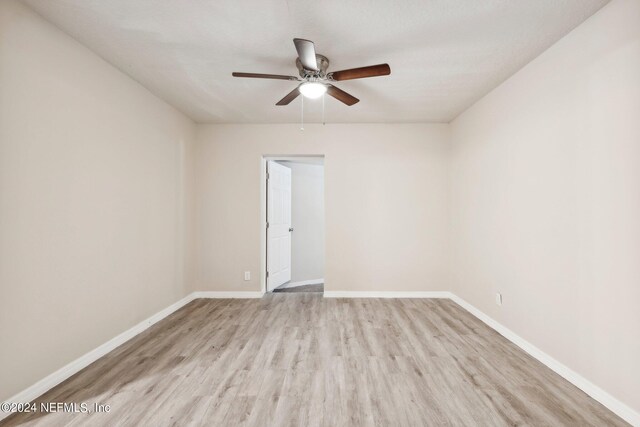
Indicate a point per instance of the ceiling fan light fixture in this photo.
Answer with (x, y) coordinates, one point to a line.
(312, 90)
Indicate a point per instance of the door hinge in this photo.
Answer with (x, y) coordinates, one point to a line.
(267, 274)
(267, 225)
(267, 176)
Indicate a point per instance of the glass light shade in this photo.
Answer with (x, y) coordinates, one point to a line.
(312, 90)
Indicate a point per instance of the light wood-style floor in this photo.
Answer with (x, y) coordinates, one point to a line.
(302, 360)
(303, 288)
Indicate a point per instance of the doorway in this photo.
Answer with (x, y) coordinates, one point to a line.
(294, 224)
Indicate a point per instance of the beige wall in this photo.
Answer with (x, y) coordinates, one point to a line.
(385, 203)
(92, 173)
(546, 201)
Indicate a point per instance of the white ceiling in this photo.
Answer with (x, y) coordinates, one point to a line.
(444, 54)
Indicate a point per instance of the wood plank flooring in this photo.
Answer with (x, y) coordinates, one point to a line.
(303, 288)
(293, 359)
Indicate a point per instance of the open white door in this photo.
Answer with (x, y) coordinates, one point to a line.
(278, 225)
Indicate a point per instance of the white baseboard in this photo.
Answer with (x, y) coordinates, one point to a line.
(82, 362)
(228, 294)
(301, 283)
(385, 294)
(614, 405)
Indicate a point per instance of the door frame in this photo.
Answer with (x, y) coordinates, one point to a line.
(263, 205)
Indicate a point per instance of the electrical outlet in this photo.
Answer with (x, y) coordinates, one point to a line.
(499, 298)
(247, 276)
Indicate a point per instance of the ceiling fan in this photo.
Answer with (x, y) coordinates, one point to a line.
(312, 68)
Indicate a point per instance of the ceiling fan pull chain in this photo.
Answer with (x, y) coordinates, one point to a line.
(323, 121)
(302, 113)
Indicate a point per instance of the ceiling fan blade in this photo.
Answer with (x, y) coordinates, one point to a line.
(306, 53)
(362, 72)
(264, 76)
(341, 95)
(290, 97)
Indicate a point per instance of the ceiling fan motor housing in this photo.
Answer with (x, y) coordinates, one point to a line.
(323, 64)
